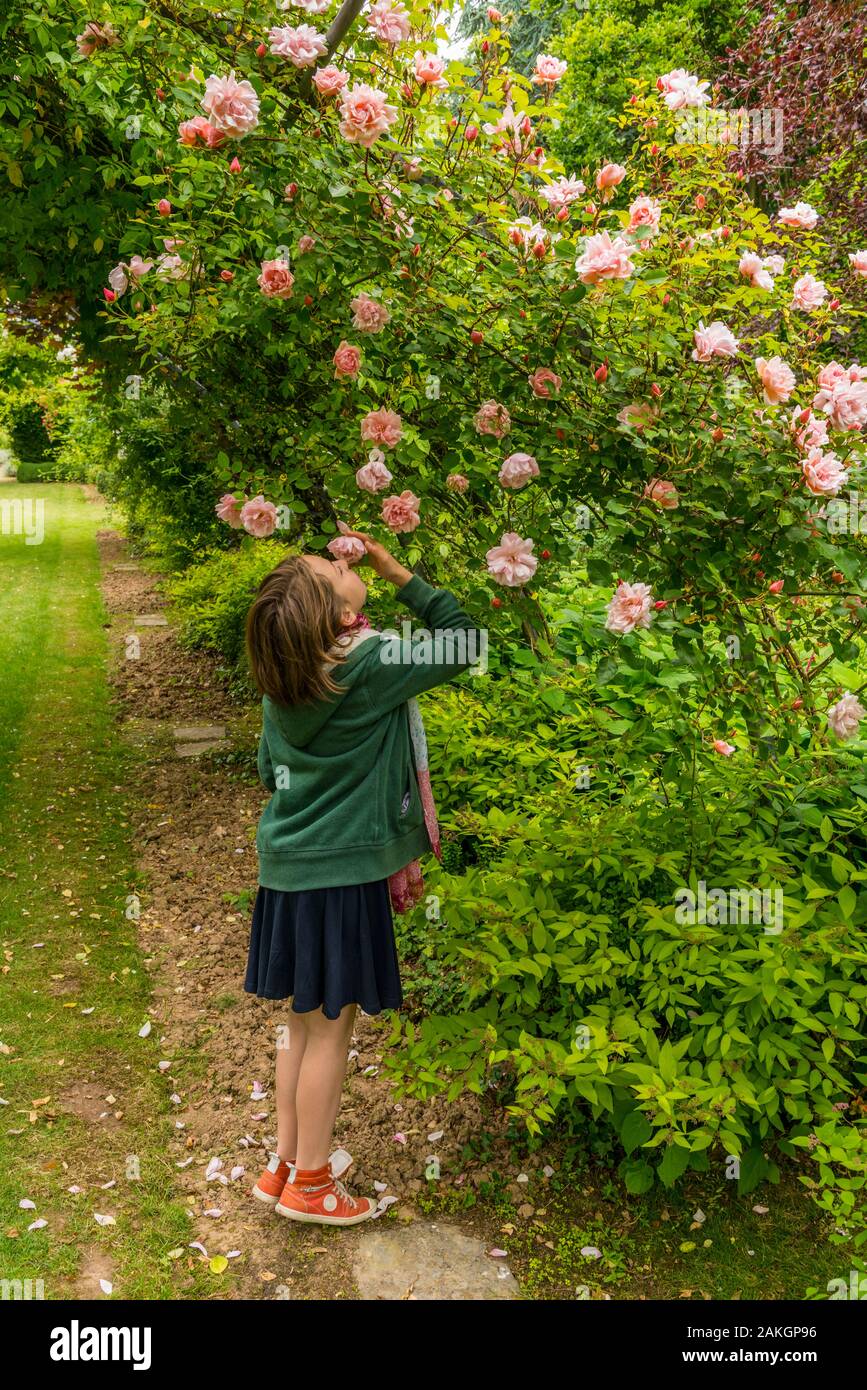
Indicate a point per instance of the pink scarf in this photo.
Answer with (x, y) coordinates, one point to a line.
(406, 886)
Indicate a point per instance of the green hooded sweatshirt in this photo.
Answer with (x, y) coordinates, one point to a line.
(345, 805)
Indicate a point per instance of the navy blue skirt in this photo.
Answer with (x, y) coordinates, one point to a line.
(325, 948)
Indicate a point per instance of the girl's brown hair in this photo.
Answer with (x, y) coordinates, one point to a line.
(293, 622)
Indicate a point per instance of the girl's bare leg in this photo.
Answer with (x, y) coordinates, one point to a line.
(291, 1041)
(320, 1082)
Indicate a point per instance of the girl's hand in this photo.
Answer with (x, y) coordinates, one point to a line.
(382, 562)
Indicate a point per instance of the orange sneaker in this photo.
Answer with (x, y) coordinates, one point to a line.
(272, 1180)
(316, 1196)
(275, 1177)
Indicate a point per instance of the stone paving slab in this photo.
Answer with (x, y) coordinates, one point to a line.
(192, 750)
(195, 733)
(428, 1261)
(150, 620)
(126, 569)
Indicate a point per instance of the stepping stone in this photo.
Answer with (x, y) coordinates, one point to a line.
(150, 620)
(192, 750)
(428, 1261)
(126, 569)
(198, 733)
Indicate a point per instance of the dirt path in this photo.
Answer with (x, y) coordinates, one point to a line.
(194, 828)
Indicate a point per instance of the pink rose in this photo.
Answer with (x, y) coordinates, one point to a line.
(548, 71)
(858, 262)
(365, 115)
(347, 360)
(229, 509)
(401, 513)
(724, 749)
(845, 404)
(374, 476)
(638, 415)
(511, 562)
(824, 474)
(810, 433)
(232, 106)
(831, 375)
(681, 89)
(429, 69)
(845, 716)
(200, 131)
(118, 279)
(368, 315)
(305, 244)
(756, 270)
(545, 383)
(714, 341)
(382, 427)
(492, 418)
(302, 46)
(808, 293)
(259, 517)
(775, 264)
(389, 21)
(609, 176)
(801, 215)
(518, 469)
(137, 267)
(331, 80)
(778, 379)
(346, 548)
(456, 482)
(644, 212)
(95, 36)
(563, 192)
(663, 493)
(629, 608)
(276, 280)
(604, 259)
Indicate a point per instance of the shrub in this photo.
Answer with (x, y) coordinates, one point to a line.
(34, 472)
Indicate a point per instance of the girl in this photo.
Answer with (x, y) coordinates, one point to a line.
(342, 752)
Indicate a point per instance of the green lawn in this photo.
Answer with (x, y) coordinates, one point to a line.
(73, 992)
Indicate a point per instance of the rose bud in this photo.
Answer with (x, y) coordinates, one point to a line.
(227, 275)
(471, 133)
(700, 201)
(796, 704)
(661, 603)
(526, 126)
(562, 214)
(164, 207)
(308, 300)
(654, 149)
(235, 166)
(776, 587)
(476, 337)
(726, 233)
(561, 435)
(601, 373)
(660, 85)
(590, 209)
(416, 250)
(834, 304)
(656, 390)
(485, 45)
(838, 578)
(718, 435)
(261, 50)
(453, 123)
(161, 96)
(291, 190)
(496, 603)
(539, 250)
(546, 554)
(666, 300)
(522, 313)
(110, 296)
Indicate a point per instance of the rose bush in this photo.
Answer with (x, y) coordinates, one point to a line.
(380, 300)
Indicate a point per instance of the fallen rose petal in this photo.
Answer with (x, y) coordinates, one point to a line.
(496, 1254)
(437, 1134)
(590, 1252)
(26, 1205)
(145, 1030)
(197, 1245)
(104, 1220)
(37, 1225)
(106, 1286)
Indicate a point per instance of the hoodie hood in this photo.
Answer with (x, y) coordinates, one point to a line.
(300, 724)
